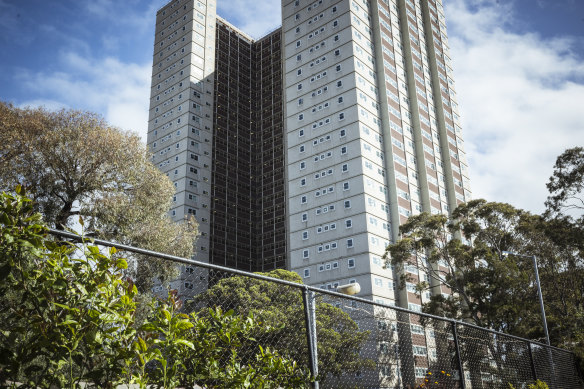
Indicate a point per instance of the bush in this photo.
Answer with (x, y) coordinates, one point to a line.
(67, 320)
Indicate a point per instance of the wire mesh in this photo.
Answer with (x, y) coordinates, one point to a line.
(556, 367)
(360, 343)
(493, 360)
(276, 308)
(564, 370)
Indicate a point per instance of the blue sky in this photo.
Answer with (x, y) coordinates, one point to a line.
(518, 66)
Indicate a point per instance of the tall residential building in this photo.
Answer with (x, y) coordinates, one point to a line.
(372, 136)
(308, 148)
(215, 128)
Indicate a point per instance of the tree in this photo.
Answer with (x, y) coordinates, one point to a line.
(566, 185)
(565, 227)
(280, 308)
(74, 164)
(463, 254)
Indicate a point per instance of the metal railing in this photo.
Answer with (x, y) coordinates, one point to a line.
(357, 343)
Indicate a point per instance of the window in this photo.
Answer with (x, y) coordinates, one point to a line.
(300, 102)
(297, 30)
(306, 273)
(299, 86)
(304, 235)
(339, 83)
(348, 223)
(347, 203)
(298, 57)
(345, 168)
(343, 133)
(340, 99)
(299, 72)
(303, 200)
(337, 52)
(342, 116)
(297, 17)
(298, 43)
(345, 186)
(344, 150)
(336, 38)
(305, 253)
(302, 165)
(334, 9)
(303, 182)
(349, 243)
(335, 23)
(351, 263)
(420, 372)
(304, 217)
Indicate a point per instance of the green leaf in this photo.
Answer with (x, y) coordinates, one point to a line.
(68, 322)
(121, 264)
(184, 325)
(185, 343)
(62, 306)
(141, 344)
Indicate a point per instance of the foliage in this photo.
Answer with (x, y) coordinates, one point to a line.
(489, 288)
(73, 163)
(69, 322)
(566, 185)
(68, 318)
(565, 227)
(281, 309)
(536, 385)
(209, 350)
(465, 254)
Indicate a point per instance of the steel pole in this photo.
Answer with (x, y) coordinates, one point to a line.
(310, 319)
(545, 327)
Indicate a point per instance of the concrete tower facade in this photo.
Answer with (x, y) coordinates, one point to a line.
(215, 129)
(372, 136)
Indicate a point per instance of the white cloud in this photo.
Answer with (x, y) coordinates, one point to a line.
(519, 108)
(255, 18)
(119, 91)
(51, 105)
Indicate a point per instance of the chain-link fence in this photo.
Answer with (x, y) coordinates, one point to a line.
(351, 342)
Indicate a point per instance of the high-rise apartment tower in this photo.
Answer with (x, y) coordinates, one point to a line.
(216, 130)
(309, 147)
(372, 135)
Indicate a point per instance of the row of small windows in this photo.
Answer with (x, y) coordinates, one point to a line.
(316, 141)
(327, 247)
(324, 191)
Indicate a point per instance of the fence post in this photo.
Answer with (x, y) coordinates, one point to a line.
(533, 371)
(310, 322)
(458, 356)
